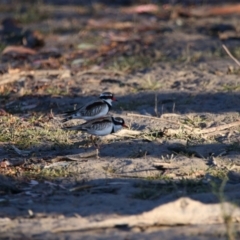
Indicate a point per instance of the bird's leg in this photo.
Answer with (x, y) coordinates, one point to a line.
(96, 145)
(97, 153)
(92, 139)
(94, 142)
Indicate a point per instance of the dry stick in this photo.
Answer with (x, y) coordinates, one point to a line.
(100, 71)
(207, 131)
(78, 188)
(212, 134)
(170, 115)
(159, 119)
(192, 130)
(230, 55)
(156, 105)
(5, 79)
(219, 128)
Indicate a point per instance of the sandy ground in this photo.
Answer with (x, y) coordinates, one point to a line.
(193, 85)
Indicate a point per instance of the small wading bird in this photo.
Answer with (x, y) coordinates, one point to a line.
(100, 127)
(92, 110)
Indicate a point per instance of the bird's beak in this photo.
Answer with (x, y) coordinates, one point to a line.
(125, 126)
(114, 99)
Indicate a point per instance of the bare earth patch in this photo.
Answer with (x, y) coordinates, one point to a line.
(175, 174)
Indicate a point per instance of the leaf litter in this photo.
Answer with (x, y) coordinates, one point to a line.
(163, 68)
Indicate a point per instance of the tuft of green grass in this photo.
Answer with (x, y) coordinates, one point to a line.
(195, 121)
(149, 83)
(57, 91)
(46, 173)
(26, 135)
(219, 173)
(109, 169)
(231, 87)
(130, 63)
(218, 190)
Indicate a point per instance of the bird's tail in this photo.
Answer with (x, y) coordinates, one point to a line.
(68, 116)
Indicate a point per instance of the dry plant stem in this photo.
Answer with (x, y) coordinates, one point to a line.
(127, 176)
(99, 72)
(159, 119)
(208, 132)
(79, 188)
(5, 79)
(219, 128)
(156, 105)
(123, 133)
(170, 115)
(230, 55)
(212, 134)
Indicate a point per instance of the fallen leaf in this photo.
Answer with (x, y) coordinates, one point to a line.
(18, 51)
(208, 11)
(145, 8)
(92, 23)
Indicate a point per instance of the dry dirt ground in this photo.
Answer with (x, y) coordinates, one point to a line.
(169, 175)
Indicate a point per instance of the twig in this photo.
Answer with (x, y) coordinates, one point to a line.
(190, 130)
(100, 71)
(212, 134)
(156, 108)
(145, 116)
(207, 132)
(80, 188)
(159, 119)
(219, 128)
(170, 115)
(230, 55)
(124, 133)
